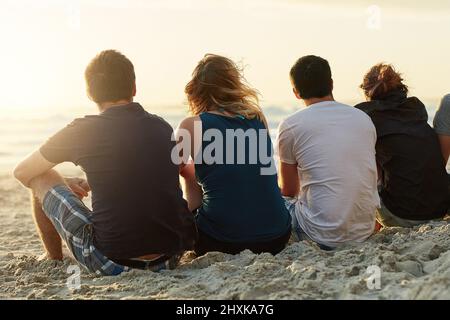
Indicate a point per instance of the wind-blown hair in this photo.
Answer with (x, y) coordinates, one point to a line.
(218, 83)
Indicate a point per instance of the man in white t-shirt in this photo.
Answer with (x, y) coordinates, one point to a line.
(328, 172)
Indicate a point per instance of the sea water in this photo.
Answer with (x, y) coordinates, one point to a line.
(24, 130)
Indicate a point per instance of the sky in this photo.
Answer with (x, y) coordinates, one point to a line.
(46, 45)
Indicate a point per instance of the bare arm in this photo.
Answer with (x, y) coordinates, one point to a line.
(35, 165)
(191, 189)
(289, 180)
(31, 167)
(445, 146)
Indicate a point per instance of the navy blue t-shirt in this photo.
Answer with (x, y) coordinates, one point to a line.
(240, 204)
(137, 202)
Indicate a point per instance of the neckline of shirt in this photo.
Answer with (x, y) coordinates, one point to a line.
(323, 104)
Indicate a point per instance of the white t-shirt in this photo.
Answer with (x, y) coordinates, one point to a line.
(333, 146)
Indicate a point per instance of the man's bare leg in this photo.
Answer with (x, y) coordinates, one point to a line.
(47, 232)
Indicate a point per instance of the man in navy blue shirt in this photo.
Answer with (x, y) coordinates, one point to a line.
(139, 218)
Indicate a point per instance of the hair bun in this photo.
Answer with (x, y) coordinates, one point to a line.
(389, 77)
(381, 80)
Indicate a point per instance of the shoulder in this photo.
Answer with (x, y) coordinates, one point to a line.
(360, 116)
(364, 106)
(294, 119)
(361, 111)
(445, 102)
(188, 122)
(293, 127)
(83, 123)
(364, 118)
(157, 123)
(92, 120)
(156, 118)
(443, 109)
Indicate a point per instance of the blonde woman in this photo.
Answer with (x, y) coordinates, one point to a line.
(234, 195)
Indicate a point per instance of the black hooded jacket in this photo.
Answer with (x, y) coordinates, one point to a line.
(414, 178)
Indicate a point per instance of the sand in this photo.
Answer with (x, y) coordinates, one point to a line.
(414, 264)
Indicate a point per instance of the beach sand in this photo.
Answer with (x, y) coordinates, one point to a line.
(415, 264)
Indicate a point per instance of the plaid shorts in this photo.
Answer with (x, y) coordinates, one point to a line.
(72, 220)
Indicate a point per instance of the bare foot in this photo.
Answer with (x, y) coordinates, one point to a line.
(46, 256)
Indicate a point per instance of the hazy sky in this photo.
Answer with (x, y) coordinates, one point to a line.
(47, 44)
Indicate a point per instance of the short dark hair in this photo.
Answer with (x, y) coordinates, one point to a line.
(311, 76)
(110, 77)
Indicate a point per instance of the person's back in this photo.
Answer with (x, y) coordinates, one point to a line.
(136, 199)
(413, 177)
(327, 162)
(333, 145)
(138, 218)
(233, 184)
(238, 195)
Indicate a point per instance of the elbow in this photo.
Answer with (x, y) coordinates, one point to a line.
(290, 190)
(19, 174)
(286, 192)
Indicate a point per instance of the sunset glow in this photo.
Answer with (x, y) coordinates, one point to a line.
(47, 44)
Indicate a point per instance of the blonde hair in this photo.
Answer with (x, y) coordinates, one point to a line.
(217, 83)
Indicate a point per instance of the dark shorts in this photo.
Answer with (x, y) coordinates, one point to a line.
(72, 220)
(207, 243)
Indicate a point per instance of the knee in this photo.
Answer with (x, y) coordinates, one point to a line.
(40, 185)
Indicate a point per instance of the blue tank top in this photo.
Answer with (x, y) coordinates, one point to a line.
(239, 203)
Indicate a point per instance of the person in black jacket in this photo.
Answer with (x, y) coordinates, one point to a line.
(412, 177)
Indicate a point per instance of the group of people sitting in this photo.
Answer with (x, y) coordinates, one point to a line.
(343, 171)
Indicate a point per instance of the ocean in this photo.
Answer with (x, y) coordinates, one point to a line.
(22, 131)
